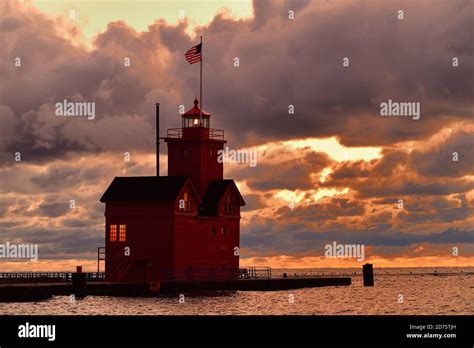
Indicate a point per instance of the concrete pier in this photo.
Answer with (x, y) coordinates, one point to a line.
(275, 284)
(32, 292)
(36, 292)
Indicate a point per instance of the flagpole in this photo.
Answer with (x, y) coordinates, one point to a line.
(200, 87)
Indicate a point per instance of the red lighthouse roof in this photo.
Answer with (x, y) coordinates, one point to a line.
(196, 110)
(214, 193)
(146, 189)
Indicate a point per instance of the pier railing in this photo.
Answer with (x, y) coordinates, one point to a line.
(175, 274)
(45, 277)
(256, 273)
(215, 274)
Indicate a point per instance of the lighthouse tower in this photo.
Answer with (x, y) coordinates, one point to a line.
(184, 226)
(193, 149)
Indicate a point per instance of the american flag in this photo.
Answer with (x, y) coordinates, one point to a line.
(194, 54)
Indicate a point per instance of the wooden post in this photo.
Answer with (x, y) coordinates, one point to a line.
(368, 272)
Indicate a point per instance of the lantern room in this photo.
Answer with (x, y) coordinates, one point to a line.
(192, 116)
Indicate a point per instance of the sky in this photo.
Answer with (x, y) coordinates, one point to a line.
(332, 170)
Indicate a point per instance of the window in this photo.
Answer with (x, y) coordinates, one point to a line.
(122, 233)
(185, 152)
(223, 231)
(113, 233)
(227, 206)
(187, 204)
(213, 231)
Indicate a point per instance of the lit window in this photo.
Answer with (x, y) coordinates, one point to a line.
(213, 231)
(113, 233)
(187, 204)
(122, 233)
(223, 231)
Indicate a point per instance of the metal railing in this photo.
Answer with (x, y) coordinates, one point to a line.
(215, 274)
(46, 277)
(96, 276)
(175, 274)
(100, 256)
(177, 133)
(216, 134)
(256, 273)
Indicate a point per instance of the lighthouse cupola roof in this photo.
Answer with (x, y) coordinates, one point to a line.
(196, 110)
(192, 116)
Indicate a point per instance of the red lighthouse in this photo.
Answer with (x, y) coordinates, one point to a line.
(182, 226)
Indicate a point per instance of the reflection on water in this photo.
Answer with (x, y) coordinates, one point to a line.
(423, 293)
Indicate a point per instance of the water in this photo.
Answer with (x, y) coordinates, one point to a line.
(423, 293)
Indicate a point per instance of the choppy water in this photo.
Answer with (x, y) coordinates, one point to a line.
(423, 293)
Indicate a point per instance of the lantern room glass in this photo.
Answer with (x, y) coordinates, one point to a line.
(193, 121)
